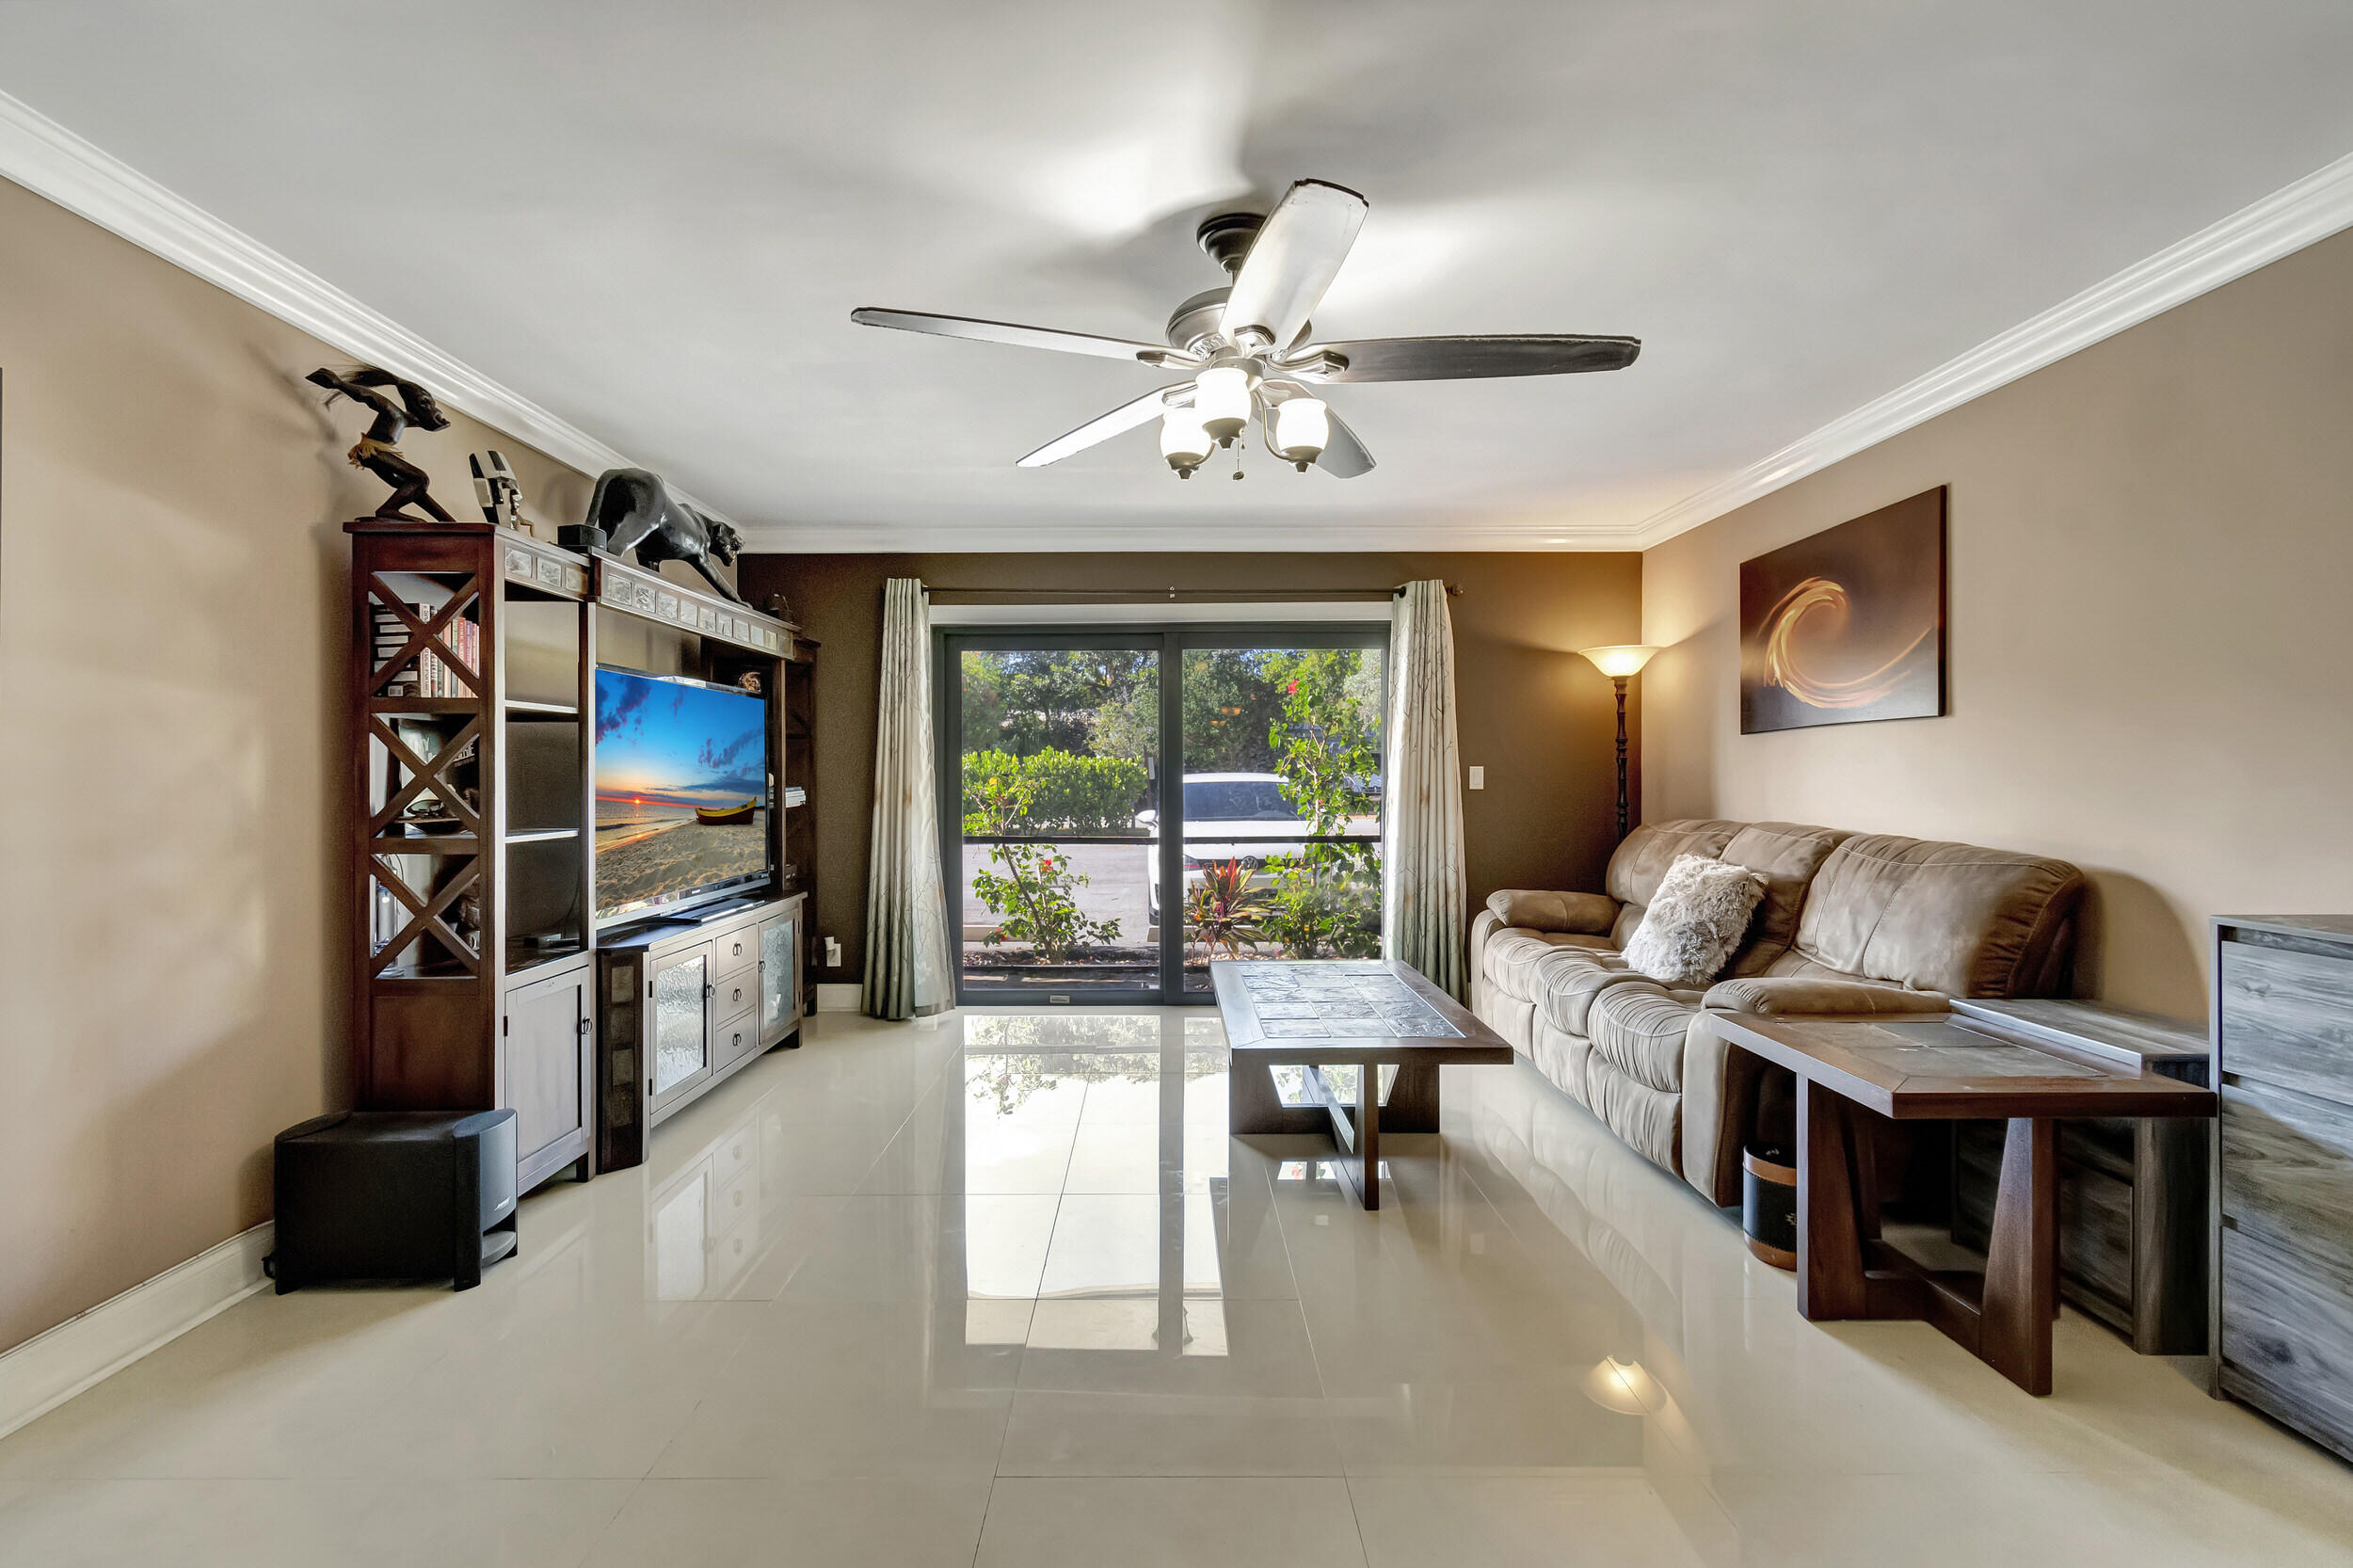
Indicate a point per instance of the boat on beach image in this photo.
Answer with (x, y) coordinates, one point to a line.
(726, 816)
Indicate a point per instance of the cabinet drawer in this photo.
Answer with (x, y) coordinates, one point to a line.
(738, 992)
(2287, 1170)
(735, 950)
(2287, 1018)
(738, 1039)
(2287, 1337)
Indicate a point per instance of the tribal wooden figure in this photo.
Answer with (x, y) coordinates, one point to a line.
(376, 450)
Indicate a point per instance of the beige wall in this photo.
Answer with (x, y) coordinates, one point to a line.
(2151, 631)
(172, 615)
(1541, 721)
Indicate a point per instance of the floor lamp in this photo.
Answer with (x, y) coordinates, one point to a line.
(1621, 663)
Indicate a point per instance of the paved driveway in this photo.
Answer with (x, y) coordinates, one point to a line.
(1115, 889)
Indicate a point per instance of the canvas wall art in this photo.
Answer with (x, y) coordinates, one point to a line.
(1847, 626)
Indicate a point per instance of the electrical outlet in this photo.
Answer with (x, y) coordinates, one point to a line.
(833, 953)
(1478, 778)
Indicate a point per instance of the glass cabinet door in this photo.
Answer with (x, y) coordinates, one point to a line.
(779, 978)
(681, 1020)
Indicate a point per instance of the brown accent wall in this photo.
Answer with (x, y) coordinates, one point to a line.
(172, 638)
(1539, 719)
(2152, 630)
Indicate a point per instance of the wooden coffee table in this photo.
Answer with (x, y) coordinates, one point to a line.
(1361, 1012)
(1942, 1068)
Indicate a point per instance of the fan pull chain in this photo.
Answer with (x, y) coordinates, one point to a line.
(1239, 444)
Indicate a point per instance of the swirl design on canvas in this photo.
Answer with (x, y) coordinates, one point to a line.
(1825, 605)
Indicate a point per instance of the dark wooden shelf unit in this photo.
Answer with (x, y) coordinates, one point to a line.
(470, 777)
(473, 856)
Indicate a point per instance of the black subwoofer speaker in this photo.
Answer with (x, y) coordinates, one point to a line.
(395, 1195)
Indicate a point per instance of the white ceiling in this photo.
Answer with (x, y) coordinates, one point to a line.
(655, 220)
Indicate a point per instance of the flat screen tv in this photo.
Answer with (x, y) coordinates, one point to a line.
(681, 779)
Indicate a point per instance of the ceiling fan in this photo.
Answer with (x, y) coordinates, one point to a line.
(1247, 351)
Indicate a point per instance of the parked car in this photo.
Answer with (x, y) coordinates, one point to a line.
(1235, 816)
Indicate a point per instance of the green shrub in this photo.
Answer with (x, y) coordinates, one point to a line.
(1065, 793)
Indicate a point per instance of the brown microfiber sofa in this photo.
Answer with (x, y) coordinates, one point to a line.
(1850, 923)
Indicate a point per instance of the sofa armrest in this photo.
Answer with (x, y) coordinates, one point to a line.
(1770, 994)
(1589, 914)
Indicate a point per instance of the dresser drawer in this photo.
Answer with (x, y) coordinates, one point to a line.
(735, 993)
(2287, 1018)
(734, 949)
(2287, 1170)
(2287, 1337)
(736, 1039)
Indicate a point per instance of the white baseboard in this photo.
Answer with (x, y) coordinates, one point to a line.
(839, 998)
(50, 1368)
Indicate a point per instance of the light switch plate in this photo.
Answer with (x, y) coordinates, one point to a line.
(1478, 778)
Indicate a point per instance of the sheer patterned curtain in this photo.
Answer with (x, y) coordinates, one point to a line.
(908, 973)
(1422, 885)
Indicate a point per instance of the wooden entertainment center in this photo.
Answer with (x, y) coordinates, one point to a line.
(479, 978)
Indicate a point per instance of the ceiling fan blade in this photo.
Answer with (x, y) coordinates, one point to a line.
(1294, 257)
(1023, 337)
(1467, 358)
(1344, 455)
(1103, 428)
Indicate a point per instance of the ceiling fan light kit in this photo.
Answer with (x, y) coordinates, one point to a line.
(1183, 441)
(1302, 428)
(1248, 351)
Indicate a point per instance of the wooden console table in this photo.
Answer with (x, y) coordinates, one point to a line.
(1937, 1068)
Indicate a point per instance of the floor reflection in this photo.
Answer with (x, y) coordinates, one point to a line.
(1001, 1284)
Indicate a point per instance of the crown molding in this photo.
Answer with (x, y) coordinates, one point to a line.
(2319, 205)
(1182, 536)
(52, 162)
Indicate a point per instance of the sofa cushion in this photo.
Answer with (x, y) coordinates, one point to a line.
(1511, 956)
(1638, 1028)
(1695, 920)
(1536, 910)
(1650, 1121)
(1786, 855)
(1939, 916)
(1643, 859)
(1568, 978)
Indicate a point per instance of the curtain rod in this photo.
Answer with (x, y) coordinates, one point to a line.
(1210, 596)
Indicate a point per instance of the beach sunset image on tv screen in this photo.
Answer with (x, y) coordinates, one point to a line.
(681, 772)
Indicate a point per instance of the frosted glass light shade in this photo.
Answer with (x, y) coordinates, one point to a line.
(1619, 660)
(1303, 427)
(1221, 399)
(1183, 443)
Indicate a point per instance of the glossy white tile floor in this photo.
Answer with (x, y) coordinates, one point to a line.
(998, 1289)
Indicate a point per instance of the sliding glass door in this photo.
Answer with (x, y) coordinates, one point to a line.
(1118, 808)
(1281, 797)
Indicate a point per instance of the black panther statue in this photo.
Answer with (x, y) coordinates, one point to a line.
(637, 511)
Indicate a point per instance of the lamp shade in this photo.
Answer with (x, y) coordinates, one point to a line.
(1183, 443)
(1221, 399)
(1303, 427)
(1619, 660)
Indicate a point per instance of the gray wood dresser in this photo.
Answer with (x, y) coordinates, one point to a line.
(2283, 1041)
(2133, 1192)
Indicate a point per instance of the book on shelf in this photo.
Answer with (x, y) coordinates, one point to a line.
(428, 675)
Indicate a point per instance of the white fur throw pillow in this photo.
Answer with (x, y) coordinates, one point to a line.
(1695, 920)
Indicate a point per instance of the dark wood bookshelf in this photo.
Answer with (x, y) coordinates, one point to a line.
(474, 953)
